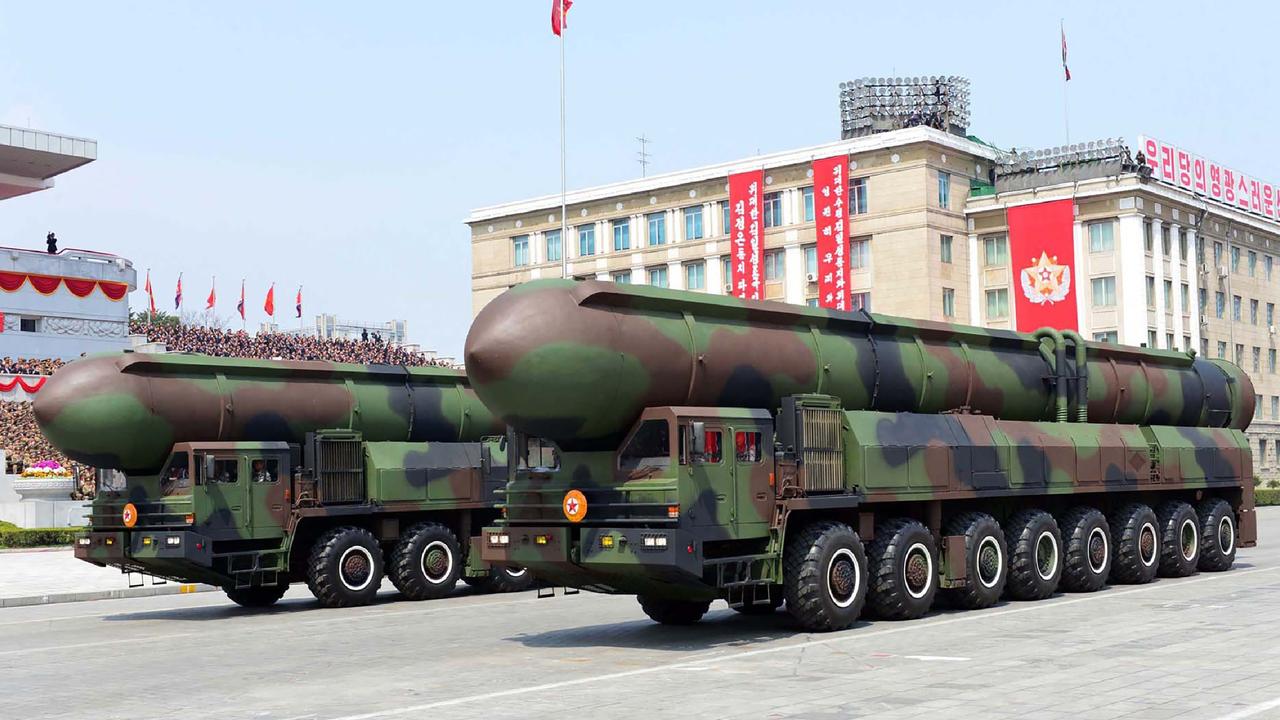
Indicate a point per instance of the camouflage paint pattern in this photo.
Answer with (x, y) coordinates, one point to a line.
(126, 410)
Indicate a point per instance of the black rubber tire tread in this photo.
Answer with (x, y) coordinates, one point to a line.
(1126, 565)
(887, 592)
(1212, 559)
(258, 596)
(973, 595)
(1021, 533)
(674, 612)
(763, 608)
(804, 569)
(1076, 527)
(1172, 514)
(405, 568)
(327, 550)
(500, 581)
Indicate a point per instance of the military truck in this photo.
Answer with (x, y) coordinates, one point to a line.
(684, 447)
(250, 475)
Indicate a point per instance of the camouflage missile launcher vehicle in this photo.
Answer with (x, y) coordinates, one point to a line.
(251, 475)
(684, 447)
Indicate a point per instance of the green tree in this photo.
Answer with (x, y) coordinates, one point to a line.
(162, 318)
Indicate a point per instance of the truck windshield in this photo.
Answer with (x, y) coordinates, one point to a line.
(649, 448)
(175, 478)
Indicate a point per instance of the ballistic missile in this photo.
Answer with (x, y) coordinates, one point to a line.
(126, 410)
(577, 361)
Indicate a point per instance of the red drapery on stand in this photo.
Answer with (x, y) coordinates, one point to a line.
(49, 284)
(30, 386)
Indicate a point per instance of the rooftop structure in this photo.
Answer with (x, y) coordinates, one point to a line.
(30, 159)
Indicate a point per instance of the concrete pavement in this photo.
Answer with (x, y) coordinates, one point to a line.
(54, 575)
(1205, 647)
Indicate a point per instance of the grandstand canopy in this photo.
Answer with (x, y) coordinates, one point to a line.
(29, 159)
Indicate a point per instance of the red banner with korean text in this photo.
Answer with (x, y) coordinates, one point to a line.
(1042, 256)
(746, 236)
(831, 222)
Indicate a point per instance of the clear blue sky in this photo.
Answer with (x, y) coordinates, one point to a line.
(340, 145)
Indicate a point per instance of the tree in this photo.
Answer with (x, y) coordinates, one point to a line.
(161, 319)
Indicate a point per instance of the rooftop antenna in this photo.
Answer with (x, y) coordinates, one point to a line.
(643, 155)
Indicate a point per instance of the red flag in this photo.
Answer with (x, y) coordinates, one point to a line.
(151, 298)
(1065, 69)
(560, 15)
(177, 297)
(240, 305)
(213, 295)
(299, 305)
(1040, 246)
(270, 304)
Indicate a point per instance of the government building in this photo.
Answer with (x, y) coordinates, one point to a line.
(1168, 250)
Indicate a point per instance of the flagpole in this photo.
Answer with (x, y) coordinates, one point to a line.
(1066, 114)
(564, 221)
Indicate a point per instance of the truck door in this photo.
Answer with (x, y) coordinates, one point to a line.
(752, 454)
(266, 508)
(711, 475)
(224, 487)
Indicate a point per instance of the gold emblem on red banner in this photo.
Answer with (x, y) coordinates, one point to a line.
(1046, 281)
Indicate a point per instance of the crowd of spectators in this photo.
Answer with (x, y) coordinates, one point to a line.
(28, 366)
(24, 445)
(235, 343)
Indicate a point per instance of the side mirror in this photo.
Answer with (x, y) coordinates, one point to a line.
(208, 469)
(486, 460)
(698, 446)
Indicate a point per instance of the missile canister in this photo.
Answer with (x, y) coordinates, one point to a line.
(126, 410)
(577, 361)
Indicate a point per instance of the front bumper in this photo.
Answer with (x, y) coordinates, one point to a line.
(144, 549)
(665, 562)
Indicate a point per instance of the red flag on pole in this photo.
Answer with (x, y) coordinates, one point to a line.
(151, 298)
(240, 305)
(270, 304)
(177, 297)
(1066, 70)
(560, 15)
(213, 295)
(299, 305)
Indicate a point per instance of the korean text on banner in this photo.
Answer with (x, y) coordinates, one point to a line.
(1042, 254)
(831, 222)
(746, 224)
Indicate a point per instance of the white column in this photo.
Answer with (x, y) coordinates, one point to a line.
(1082, 281)
(675, 228)
(1175, 276)
(793, 282)
(604, 238)
(784, 201)
(639, 232)
(603, 275)
(715, 283)
(1131, 280)
(1157, 270)
(975, 282)
(1193, 279)
(675, 275)
(708, 218)
(537, 248)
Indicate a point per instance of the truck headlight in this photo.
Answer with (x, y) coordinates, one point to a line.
(82, 541)
(499, 540)
(173, 540)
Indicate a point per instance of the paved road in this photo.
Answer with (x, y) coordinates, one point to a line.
(1201, 647)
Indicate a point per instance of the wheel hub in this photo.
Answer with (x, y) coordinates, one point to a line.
(989, 564)
(1226, 535)
(1046, 556)
(1147, 544)
(356, 569)
(843, 579)
(917, 572)
(1097, 551)
(1189, 540)
(436, 562)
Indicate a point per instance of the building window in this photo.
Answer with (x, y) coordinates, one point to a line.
(693, 223)
(1109, 336)
(1253, 312)
(1151, 339)
(1186, 343)
(724, 211)
(811, 260)
(1151, 293)
(554, 246)
(1186, 298)
(944, 190)
(1217, 254)
(586, 240)
(1266, 266)
(944, 247)
(995, 250)
(658, 277)
(1240, 354)
(1168, 342)
(1203, 299)
(1104, 291)
(948, 302)
(622, 277)
(858, 196)
(1220, 303)
(1204, 347)
(726, 265)
(520, 250)
(860, 301)
(1182, 244)
(772, 209)
(1168, 296)
(1253, 264)
(1147, 243)
(860, 254)
(1222, 350)
(1102, 237)
(774, 266)
(622, 234)
(1235, 307)
(1235, 259)
(1166, 241)
(657, 228)
(1271, 314)
(1271, 361)
(808, 203)
(1199, 249)
(695, 276)
(29, 325)
(1257, 359)
(997, 304)
(1275, 407)
(811, 302)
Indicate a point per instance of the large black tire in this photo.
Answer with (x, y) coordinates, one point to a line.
(825, 570)
(426, 562)
(258, 596)
(345, 568)
(502, 580)
(985, 550)
(1087, 560)
(763, 607)
(674, 612)
(903, 570)
(1179, 539)
(1217, 535)
(1035, 555)
(1135, 544)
